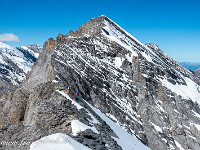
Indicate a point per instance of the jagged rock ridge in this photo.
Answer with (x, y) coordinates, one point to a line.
(138, 86)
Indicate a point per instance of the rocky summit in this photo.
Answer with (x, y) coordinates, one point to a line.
(131, 96)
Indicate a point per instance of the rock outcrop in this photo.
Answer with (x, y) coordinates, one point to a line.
(197, 72)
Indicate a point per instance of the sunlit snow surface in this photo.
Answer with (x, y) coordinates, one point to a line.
(57, 141)
(30, 51)
(78, 126)
(124, 41)
(189, 91)
(17, 56)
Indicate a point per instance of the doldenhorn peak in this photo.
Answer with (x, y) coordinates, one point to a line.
(131, 95)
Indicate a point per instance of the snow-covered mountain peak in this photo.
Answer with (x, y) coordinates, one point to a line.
(15, 62)
(32, 49)
(102, 48)
(102, 31)
(6, 49)
(128, 92)
(3, 45)
(99, 25)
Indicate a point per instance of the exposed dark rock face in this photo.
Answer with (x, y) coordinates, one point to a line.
(197, 72)
(48, 112)
(138, 86)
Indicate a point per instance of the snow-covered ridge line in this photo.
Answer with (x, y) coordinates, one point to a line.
(18, 57)
(15, 62)
(117, 34)
(124, 31)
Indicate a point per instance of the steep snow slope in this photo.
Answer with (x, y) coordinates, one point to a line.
(125, 140)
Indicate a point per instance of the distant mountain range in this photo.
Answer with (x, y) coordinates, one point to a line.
(15, 62)
(191, 65)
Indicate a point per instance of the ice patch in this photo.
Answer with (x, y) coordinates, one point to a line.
(118, 62)
(78, 126)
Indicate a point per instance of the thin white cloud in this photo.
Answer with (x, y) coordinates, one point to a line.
(6, 37)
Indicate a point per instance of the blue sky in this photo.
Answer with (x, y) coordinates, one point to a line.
(173, 25)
